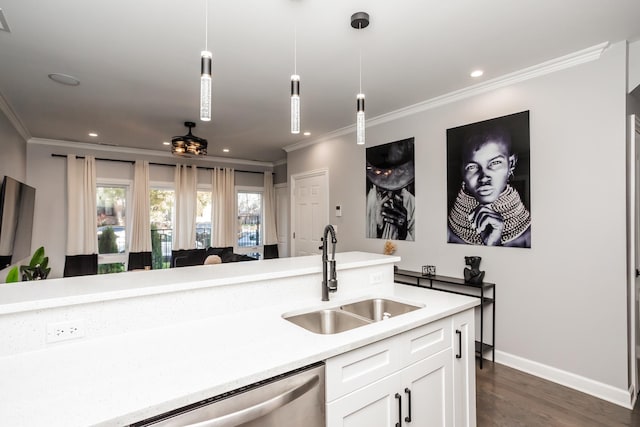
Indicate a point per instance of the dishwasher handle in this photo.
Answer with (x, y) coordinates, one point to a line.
(261, 409)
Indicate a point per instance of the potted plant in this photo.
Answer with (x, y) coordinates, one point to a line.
(36, 270)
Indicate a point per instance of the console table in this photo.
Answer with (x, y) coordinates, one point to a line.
(452, 285)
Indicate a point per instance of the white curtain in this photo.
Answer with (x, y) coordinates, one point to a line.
(270, 232)
(184, 232)
(141, 226)
(81, 206)
(224, 207)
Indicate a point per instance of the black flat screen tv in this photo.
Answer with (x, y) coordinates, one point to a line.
(17, 202)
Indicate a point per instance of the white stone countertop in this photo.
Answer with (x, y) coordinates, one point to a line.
(116, 380)
(36, 295)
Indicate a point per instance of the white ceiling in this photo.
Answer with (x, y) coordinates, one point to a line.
(139, 61)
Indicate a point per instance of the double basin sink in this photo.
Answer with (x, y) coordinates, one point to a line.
(350, 316)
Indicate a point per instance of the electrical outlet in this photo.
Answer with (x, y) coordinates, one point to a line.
(375, 278)
(63, 331)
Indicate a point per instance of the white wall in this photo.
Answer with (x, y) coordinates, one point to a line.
(13, 160)
(561, 303)
(48, 175)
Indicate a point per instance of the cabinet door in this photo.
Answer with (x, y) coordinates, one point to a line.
(373, 405)
(464, 369)
(429, 384)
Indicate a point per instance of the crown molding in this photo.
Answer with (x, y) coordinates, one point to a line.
(330, 135)
(280, 162)
(571, 60)
(142, 152)
(13, 118)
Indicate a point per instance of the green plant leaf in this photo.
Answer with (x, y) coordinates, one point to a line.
(13, 276)
(27, 272)
(37, 258)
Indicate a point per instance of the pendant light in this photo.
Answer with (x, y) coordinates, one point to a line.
(205, 71)
(295, 88)
(359, 21)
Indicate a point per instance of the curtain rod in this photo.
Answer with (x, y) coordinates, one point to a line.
(150, 163)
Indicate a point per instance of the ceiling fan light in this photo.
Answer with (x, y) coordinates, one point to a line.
(189, 144)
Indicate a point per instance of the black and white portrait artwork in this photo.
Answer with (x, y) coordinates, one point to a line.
(391, 191)
(488, 170)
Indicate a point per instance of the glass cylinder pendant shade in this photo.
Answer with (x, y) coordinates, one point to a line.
(360, 119)
(205, 86)
(295, 103)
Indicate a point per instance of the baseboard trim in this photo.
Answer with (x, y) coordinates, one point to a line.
(597, 389)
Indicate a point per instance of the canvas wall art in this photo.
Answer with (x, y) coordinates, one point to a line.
(488, 171)
(390, 173)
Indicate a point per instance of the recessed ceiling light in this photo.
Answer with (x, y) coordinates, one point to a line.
(476, 73)
(166, 143)
(307, 133)
(64, 79)
(225, 150)
(93, 134)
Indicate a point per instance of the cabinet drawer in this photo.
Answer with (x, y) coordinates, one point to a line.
(424, 341)
(357, 368)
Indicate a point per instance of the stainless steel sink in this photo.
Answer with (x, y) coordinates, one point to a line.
(329, 321)
(350, 316)
(378, 308)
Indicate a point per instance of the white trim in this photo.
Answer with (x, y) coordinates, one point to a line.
(576, 58)
(143, 152)
(5, 107)
(280, 162)
(619, 396)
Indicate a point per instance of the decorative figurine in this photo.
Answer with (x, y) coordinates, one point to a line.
(389, 247)
(473, 275)
(428, 270)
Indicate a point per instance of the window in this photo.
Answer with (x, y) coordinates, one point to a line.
(162, 201)
(112, 227)
(250, 229)
(203, 220)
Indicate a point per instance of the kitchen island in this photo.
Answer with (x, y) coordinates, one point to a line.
(152, 341)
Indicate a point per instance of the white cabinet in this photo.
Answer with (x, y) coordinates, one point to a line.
(372, 405)
(419, 394)
(411, 379)
(464, 369)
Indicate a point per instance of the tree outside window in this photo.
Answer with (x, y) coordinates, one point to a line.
(161, 204)
(111, 232)
(249, 225)
(203, 220)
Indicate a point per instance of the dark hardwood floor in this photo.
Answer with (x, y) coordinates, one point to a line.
(508, 397)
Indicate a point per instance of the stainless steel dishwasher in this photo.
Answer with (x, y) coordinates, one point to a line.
(289, 400)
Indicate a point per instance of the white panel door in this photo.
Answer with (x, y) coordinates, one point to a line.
(310, 211)
(633, 249)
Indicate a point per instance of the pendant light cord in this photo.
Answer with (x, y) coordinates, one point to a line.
(206, 25)
(360, 61)
(295, 49)
(360, 66)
